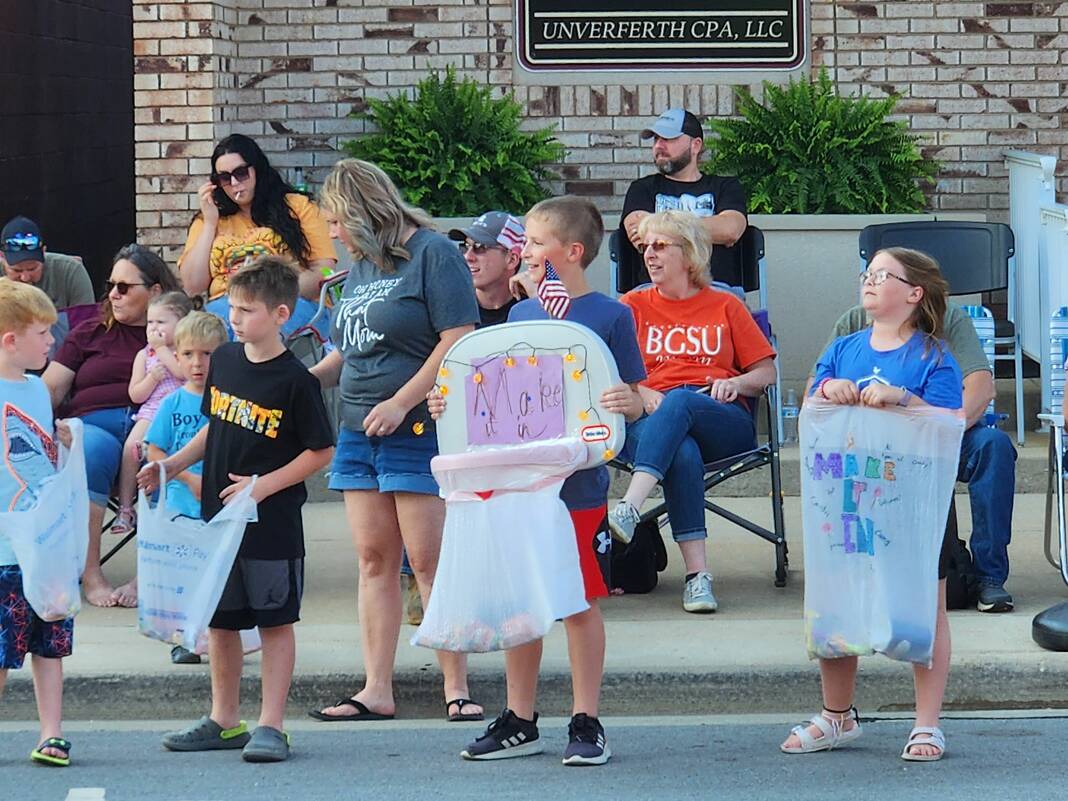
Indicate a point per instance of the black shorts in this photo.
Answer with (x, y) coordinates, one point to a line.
(260, 592)
(949, 542)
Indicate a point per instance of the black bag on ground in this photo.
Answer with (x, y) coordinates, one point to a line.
(962, 582)
(635, 566)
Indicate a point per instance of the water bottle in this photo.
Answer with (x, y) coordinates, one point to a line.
(789, 418)
(298, 181)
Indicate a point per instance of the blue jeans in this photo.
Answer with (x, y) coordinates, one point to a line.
(674, 443)
(988, 465)
(105, 432)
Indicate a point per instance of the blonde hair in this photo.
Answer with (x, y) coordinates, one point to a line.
(695, 240)
(22, 305)
(200, 328)
(178, 302)
(922, 271)
(370, 208)
(573, 219)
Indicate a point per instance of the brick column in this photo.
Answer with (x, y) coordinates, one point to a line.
(183, 82)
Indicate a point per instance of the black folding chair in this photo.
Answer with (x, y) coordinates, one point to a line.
(974, 257)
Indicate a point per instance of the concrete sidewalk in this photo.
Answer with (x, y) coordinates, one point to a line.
(748, 657)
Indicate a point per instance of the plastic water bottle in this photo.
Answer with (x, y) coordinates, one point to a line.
(298, 181)
(789, 418)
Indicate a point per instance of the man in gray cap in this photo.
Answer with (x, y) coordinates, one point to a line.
(23, 257)
(678, 140)
(491, 246)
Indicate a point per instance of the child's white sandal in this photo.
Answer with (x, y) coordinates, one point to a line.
(925, 735)
(833, 733)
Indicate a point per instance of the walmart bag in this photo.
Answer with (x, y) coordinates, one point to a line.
(50, 538)
(875, 489)
(183, 564)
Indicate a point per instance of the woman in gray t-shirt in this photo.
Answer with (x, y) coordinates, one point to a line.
(407, 299)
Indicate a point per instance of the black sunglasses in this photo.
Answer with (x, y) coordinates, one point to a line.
(225, 178)
(122, 286)
(478, 248)
(22, 242)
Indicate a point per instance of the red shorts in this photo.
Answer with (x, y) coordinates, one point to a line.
(594, 548)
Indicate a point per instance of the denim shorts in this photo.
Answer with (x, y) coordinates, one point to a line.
(397, 463)
(105, 432)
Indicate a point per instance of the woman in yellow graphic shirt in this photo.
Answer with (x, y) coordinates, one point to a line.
(248, 210)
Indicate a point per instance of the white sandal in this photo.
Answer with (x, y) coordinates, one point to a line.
(833, 731)
(925, 735)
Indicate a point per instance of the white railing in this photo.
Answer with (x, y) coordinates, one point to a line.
(1031, 187)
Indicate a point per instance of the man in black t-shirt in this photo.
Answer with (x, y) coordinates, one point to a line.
(491, 247)
(678, 184)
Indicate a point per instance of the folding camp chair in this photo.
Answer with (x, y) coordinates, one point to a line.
(1055, 510)
(110, 515)
(974, 257)
(765, 454)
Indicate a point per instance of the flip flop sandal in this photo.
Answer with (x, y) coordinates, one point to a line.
(207, 735)
(266, 744)
(833, 733)
(59, 744)
(460, 715)
(925, 735)
(362, 712)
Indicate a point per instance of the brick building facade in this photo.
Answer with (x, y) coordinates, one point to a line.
(976, 78)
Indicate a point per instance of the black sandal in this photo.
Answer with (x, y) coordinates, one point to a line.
(362, 712)
(57, 743)
(460, 715)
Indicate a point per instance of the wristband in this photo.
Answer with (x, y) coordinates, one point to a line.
(819, 389)
(906, 396)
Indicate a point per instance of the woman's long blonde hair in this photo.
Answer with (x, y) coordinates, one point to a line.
(368, 205)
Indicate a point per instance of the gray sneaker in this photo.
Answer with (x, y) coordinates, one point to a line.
(697, 595)
(623, 519)
(994, 599)
(266, 745)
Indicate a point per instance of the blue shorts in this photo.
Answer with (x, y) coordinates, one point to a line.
(397, 463)
(21, 631)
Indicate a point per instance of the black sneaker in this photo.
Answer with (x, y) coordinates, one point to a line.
(586, 742)
(508, 736)
(994, 599)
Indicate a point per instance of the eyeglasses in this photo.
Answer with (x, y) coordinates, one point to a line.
(22, 242)
(659, 246)
(477, 247)
(225, 178)
(878, 277)
(121, 286)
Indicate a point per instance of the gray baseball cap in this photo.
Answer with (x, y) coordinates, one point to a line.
(673, 123)
(494, 228)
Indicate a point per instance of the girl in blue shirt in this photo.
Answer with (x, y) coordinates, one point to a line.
(900, 360)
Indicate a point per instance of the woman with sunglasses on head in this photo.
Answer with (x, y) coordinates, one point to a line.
(705, 357)
(247, 210)
(89, 378)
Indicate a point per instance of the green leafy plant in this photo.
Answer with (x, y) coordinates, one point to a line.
(806, 150)
(455, 150)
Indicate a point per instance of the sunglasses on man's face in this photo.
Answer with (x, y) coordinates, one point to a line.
(225, 178)
(477, 247)
(22, 242)
(122, 287)
(659, 246)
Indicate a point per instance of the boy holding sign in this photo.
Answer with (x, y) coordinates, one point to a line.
(901, 360)
(26, 433)
(566, 233)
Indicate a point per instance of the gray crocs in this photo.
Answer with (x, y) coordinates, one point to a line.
(266, 744)
(207, 735)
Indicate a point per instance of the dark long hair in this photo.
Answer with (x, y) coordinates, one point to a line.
(154, 272)
(269, 207)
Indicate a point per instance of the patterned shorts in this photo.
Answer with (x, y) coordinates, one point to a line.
(21, 631)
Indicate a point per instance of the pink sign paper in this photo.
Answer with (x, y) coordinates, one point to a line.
(517, 404)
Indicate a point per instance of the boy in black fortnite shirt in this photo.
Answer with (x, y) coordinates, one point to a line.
(266, 418)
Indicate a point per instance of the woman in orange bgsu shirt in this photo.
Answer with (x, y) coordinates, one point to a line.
(704, 356)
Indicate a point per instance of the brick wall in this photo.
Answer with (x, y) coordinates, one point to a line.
(977, 79)
(66, 136)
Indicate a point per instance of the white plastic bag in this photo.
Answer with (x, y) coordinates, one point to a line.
(875, 490)
(183, 564)
(51, 538)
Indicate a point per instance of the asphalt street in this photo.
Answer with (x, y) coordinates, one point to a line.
(1006, 757)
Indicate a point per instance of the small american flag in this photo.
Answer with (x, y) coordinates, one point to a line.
(512, 236)
(553, 294)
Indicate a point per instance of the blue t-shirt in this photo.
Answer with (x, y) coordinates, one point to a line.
(30, 451)
(178, 420)
(934, 376)
(614, 323)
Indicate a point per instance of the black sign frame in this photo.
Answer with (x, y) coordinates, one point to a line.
(671, 35)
